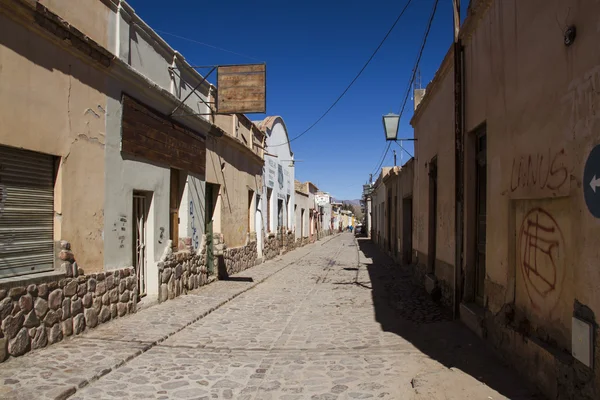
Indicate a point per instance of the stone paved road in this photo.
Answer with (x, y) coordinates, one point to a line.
(334, 320)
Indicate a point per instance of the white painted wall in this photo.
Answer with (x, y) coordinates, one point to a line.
(278, 175)
(149, 56)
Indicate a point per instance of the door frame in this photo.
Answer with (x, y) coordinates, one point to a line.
(432, 213)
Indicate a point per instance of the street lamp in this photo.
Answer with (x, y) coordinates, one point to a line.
(390, 126)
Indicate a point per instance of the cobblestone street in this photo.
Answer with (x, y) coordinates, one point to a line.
(332, 320)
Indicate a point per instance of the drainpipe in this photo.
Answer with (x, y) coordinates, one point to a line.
(458, 160)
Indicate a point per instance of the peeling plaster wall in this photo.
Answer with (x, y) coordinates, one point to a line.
(538, 142)
(54, 103)
(237, 170)
(434, 131)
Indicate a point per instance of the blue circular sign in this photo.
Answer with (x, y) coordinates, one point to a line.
(591, 182)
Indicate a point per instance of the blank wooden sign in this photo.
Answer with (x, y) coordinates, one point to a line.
(242, 89)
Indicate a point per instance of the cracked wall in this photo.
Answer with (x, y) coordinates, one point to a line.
(47, 95)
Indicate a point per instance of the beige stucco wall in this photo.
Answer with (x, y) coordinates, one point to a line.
(88, 16)
(302, 223)
(52, 102)
(232, 164)
(539, 99)
(434, 131)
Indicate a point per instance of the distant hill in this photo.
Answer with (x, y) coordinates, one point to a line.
(355, 202)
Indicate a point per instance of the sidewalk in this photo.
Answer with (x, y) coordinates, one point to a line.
(58, 371)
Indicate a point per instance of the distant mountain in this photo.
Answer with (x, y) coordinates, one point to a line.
(355, 202)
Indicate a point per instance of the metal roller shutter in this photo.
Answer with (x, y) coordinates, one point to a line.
(26, 212)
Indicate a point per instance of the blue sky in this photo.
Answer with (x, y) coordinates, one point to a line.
(313, 50)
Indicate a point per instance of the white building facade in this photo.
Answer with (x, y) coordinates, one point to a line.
(278, 195)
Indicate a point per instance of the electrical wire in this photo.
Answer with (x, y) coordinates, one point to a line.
(412, 78)
(206, 44)
(353, 80)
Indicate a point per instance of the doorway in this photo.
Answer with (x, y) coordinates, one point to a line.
(141, 207)
(481, 213)
(388, 233)
(211, 193)
(302, 223)
(280, 214)
(258, 225)
(433, 190)
(407, 218)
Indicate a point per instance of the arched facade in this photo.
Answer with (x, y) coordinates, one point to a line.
(278, 196)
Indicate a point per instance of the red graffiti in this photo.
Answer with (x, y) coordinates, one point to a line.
(540, 170)
(541, 247)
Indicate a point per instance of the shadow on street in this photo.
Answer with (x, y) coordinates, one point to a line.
(403, 308)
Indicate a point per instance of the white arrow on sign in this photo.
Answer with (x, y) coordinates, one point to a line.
(595, 183)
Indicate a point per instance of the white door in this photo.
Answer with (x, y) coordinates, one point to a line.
(258, 226)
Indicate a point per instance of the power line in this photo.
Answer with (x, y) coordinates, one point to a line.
(353, 80)
(382, 158)
(414, 71)
(206, 44)
(412, 78)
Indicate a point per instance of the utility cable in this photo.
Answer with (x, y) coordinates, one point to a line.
(352, 82)
(412, 78)
(206, 44)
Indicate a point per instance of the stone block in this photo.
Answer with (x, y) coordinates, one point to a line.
(70, 288)
(131, 281)
(78, 323)
(82, 290)
(43, 291)
(114, 295)
(31, 289)
(3, 294)
(51, 318)
(31, 320)
(40, 339)
(100, 288)
(54, 334)
(122, 285)
(66, 308)
(6, 307)
(97, 304)
(91, 285)
(121, 309)
(67, 327)
(165, 275)
(11, 325)
(131, 307)
(20, 344)
(110, 282)
(104, 314)
(91, 317)
(106, 299)
(87, 300)
(16, 292)
(41, 307)
(26, 303)
(77, 307)
(124, 298)
(101, 276)
(55, 299)
(113, 311)
(163, 293)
